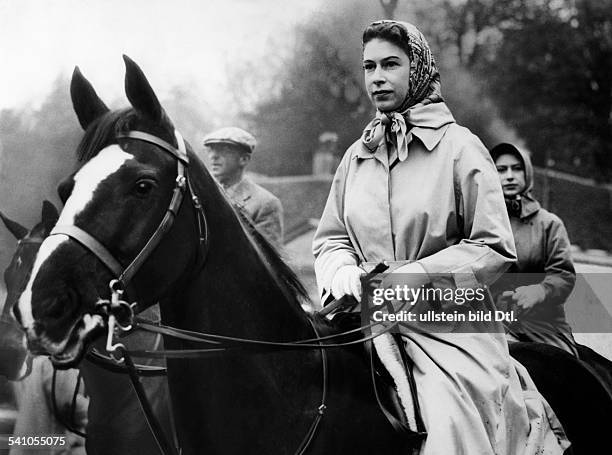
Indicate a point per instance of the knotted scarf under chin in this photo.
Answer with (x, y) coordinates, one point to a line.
(397, 125)
(514, 207)
(393, 123)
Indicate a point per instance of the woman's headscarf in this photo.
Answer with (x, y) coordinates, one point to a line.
(508, 149)
(424, 88)
(516, 205)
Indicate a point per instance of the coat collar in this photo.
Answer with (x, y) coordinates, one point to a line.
(529, 206)
(429, 124)
(430, 138)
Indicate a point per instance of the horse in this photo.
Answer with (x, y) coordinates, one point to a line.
(580, 400)
(14, 362)
(211, 272)
(115, 420)
(255, 402)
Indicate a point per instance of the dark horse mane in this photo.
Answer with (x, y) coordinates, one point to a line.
(285, 273)
(103, 132)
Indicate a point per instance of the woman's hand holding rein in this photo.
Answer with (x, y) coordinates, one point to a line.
(347, 281)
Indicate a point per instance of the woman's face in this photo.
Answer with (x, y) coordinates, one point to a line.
(511, 174)
(387, 74)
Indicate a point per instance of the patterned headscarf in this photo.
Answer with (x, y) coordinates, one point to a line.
(424, 88)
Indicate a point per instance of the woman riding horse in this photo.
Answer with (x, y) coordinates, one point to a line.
(419, 191)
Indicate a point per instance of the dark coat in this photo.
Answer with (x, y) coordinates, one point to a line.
(543, 257)
(264, 209)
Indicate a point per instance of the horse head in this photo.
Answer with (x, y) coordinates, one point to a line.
(125, 187)
(13, 352)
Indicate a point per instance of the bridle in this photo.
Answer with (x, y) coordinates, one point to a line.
(122, 316)
(114, 306)
(124, 275)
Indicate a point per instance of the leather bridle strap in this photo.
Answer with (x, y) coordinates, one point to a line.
(91, 243)
(162, 440)
(164, 226)
(312, 430)
(179, 153)
(125, 275)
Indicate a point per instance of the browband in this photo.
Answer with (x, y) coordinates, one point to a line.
(180, 153)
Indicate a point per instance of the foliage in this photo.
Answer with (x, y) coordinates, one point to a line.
(548, 66)
(320, 94)
(536, 72)
(36, 153)
(318, 85)
(318, 88)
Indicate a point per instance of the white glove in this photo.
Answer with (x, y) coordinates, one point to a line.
(526, 297)
(347, 281)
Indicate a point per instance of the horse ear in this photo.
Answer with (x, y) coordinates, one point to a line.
(14, 227)
(86, 102)
(49, 215)
(140, 93)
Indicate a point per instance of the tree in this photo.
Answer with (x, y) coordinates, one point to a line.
(547, 65)
(38, 152)
(318, 87)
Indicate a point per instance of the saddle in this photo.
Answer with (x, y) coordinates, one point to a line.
(391, 371)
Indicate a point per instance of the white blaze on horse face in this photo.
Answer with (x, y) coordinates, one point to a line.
(86, 181)
(25, 300)
(89, 177)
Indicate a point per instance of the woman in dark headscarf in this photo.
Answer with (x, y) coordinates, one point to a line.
(421, 192)
(543, 276)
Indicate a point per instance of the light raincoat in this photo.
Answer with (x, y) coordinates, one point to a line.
(442, 206)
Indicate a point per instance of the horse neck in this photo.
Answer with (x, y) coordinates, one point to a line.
(236, 293)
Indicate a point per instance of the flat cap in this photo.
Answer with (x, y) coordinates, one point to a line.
(231, 135)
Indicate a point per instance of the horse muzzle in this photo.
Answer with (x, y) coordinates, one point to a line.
(68, 352)
(13, 351)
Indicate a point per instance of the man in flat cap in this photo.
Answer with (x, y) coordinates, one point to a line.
(229, 151)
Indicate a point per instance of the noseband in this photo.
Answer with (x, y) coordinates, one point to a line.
(124, 275)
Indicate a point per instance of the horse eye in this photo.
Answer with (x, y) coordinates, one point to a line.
(143, 187)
